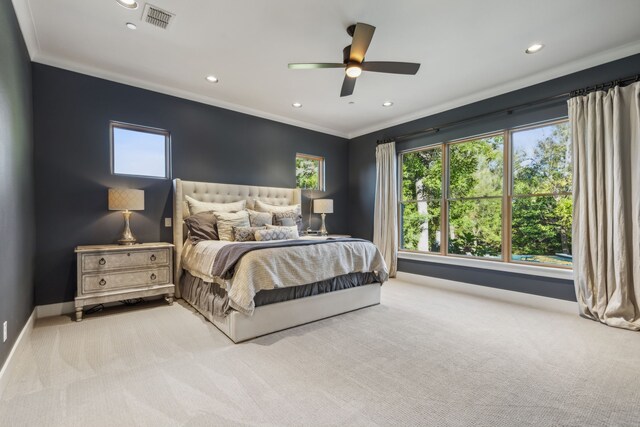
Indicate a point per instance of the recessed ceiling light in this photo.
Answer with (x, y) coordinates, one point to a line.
(131, 26)
(212, 79)
(536, 47)
(351, 102)
(296, 105)
(129, 4)
(387, 104)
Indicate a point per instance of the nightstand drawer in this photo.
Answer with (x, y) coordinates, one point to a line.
(129, 259)
(127, 279)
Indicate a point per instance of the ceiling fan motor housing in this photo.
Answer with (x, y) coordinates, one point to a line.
(346, 54)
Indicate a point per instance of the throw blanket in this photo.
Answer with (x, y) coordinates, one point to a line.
(227, 257)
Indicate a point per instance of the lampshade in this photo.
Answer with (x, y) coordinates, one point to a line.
(323, 206)
(123, 199)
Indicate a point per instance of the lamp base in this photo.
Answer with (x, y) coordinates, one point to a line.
(127, 237)
(323, 229)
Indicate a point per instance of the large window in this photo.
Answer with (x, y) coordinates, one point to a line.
(504, 196)
(309, 172)
(140, 151)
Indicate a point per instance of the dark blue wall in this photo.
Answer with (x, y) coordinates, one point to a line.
(16, 182)
(72, 173)
(362, 166)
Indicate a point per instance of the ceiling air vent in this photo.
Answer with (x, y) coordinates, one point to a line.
(156, 16)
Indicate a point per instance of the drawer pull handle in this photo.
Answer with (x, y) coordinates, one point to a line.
(102, 282)
(153, 257)
(153, 276)
(102, 261)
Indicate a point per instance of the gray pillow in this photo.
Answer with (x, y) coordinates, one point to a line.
(245, 234)
(260, 219)
(202, 226)
(288, 218)
(228, 220)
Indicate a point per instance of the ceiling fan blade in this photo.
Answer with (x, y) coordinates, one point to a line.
(361, 39)
(347, 86)
(314, 66)
(391, 67)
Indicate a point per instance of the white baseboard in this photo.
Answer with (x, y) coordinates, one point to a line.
(22, 339)
(514, 297)
(57, 309)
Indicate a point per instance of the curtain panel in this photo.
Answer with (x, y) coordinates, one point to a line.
(385, 218)
(605, 129)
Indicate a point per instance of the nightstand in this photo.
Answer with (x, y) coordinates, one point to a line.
(108, 273)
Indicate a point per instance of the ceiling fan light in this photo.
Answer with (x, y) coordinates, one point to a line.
(354, 71)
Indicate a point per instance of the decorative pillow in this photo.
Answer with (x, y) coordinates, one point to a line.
(202, 226)
(260, 219)
(196, 206)
(292, 230)
(245, 234)
(277, 233)
(228, 220)
(288, 218)
(266, 207)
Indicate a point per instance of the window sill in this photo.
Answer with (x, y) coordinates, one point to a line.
(531, 270)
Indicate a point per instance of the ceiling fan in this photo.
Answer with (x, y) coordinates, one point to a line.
(354, 63)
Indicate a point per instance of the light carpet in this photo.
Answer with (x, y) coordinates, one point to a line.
(425, 356)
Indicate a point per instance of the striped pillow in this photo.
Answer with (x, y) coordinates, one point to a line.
(227, 220)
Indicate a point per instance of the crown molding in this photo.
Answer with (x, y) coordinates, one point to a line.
(167, 90)
(30, 35)
(27, 26)
(550, 74)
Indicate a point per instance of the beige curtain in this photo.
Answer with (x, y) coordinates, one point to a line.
(605, 130)
(385, 218)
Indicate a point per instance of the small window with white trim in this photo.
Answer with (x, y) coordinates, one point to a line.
(309, 172)
(140, 151)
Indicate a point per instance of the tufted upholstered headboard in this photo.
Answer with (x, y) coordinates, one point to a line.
(219, 193)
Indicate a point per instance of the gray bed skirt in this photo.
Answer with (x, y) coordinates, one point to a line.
(211, 298)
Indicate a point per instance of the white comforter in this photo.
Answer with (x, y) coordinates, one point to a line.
(282, 267)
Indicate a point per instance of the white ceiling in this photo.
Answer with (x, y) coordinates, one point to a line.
(469, 50)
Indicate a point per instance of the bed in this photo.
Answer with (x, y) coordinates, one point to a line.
(265, 307)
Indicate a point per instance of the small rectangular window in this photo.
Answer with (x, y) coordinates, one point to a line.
(309, 172)
(140, 151)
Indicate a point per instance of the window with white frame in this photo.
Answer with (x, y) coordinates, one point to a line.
(140, 151)
(309, 172)
(504, 196)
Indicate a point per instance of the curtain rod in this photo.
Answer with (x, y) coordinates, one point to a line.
(510, 110)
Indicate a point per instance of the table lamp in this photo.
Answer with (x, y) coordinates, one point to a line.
(323, 207)
(126, 200)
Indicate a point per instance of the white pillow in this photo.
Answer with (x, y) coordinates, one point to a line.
(291, 230)
(196, 206)
(266, 207)
(227, 220)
